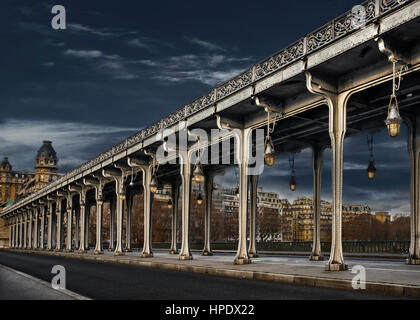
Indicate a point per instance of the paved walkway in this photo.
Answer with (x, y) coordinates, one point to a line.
(15, 285)
(383, 276)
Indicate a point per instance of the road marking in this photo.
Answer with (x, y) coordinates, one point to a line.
(46, 284)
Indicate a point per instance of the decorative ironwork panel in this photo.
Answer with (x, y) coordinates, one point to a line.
(386, 5)
(173, 118)
(200, 103)
(235, 84)
(280, 59)
(351, 20)
(320, 38)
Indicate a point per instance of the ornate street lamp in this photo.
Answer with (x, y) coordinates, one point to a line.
(269, 155)
(153, 184)
(200, 199)
(394, 120)
(132, 178)
(237, 192)
(198, 175)
(371, 170)
(170, 204)
(292, 182)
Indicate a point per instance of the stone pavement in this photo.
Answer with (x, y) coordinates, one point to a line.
(15, 285)
(383, 276)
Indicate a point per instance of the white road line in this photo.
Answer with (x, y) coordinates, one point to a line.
(46, 284)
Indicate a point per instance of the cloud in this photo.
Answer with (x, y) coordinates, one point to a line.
(206, 45)
(114, 65)
(75, 143)
(89, 30)
(207, 69)
(49, 64)
(126, 76)
(90, 54)
(208, 77)
(136, 42)
(146, 62)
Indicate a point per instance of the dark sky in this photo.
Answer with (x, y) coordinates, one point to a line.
(121, 65)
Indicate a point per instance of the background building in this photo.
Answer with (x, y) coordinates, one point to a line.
(15, 185)
(19, 184)
(11, 182)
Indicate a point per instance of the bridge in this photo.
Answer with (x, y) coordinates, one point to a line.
(354, 75)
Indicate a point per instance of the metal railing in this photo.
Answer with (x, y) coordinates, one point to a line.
(376, 246)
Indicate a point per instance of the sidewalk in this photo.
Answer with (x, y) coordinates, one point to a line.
(15, 285)
(392, 277)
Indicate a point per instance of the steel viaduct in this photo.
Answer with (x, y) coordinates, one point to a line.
(336, 82)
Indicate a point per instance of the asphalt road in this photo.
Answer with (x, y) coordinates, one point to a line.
(98, 280)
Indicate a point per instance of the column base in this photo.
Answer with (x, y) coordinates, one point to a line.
(111, 249)
(128, 250)
(69, 250)
(316, 257)
(412, 261)
(207, 253)
(242, 260)
(253, 254)
(58, 250)
(118, 253)
(336, 267)
(147, 255)
(173, 251)
(98, 252)
(185, 257)
(82, 251)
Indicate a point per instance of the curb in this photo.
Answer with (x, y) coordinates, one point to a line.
(46, 284)
(389, 289)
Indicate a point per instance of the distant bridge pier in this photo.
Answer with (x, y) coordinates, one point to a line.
(129, 205)
(252, 251)
(175, 185)
(243, 139)
(147, 171)
(209, 174)
(113, 208)
(317, 163)
(43, 213)
(337, 104)
(185, 253)
(36, 227)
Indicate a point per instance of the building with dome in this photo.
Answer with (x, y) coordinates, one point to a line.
(19, 184)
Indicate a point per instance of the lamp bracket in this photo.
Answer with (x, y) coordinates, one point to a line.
(269, 104)
(391, 52)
